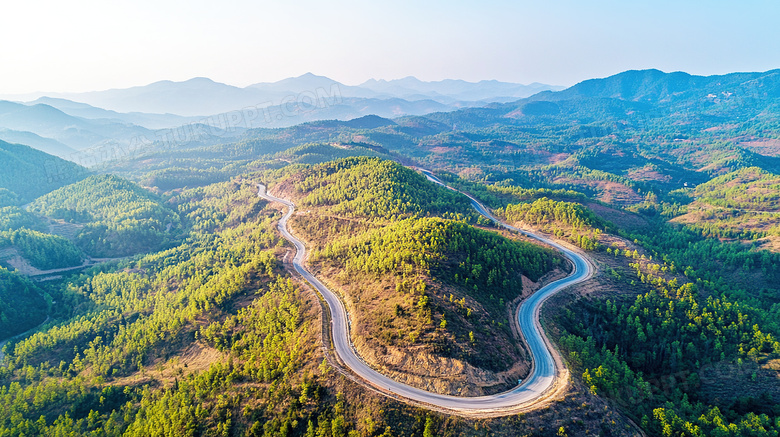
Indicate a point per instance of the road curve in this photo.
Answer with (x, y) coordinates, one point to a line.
(534, 387)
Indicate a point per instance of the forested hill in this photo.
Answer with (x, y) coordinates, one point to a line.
(120, 217)
(22, 305)
(438, 246)
(643, 100)
(655, 86)
(26, 173)
(743, 204)
(372, 187)
(449, 284)
(415, 274)
(749, 188)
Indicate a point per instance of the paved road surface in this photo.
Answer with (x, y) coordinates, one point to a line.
(542, 375)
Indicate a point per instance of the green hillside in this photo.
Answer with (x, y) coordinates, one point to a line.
(372, 187)
(13, 218)
(488, 265)
(580, 225)
(22, 305)
(119, 217)
(743, 204)
(43, 251)
(30, 173)
(318, 153)
(440, 284)
(747, 189)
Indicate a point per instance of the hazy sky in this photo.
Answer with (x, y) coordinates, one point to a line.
(81, 45)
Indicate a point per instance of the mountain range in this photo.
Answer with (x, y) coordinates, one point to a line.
(62, 124)
(199, 97)
(450, 90)
(19, 121)
(65, 123)
(656, 87)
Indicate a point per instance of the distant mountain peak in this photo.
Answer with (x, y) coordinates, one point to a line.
(310, 75)
(200, 79)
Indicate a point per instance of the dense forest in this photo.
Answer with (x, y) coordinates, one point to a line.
(562, 219)
(23, 305)
(119, 217)
(43, 251)
(177, 177)
(119, 320)
(372, 187)
(656, 354)
(13, 218)
(488, 261)
(26, 173)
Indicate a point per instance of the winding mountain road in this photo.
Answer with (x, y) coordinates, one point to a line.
(534, 388)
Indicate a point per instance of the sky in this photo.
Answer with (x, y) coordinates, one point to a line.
(84, 45)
